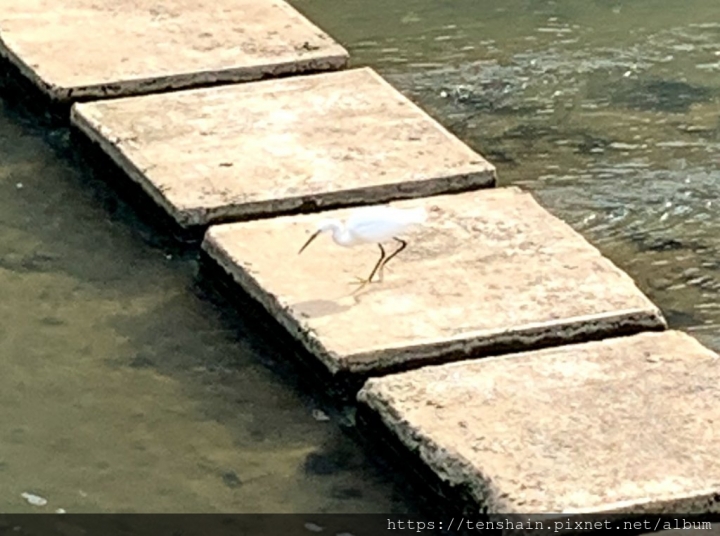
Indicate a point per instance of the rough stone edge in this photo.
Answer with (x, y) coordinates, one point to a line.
(525, 337)
(382, 193)
(455, 140)
(146, 86)
(270, 302)
(336, 57)
(28, 72)
(459, 473)
(110, 145)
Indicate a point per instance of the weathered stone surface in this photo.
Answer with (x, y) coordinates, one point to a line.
(103, 48)
(626, 424)
(490, 269)
(277, 146)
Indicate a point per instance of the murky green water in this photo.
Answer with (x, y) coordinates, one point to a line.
(124, 389)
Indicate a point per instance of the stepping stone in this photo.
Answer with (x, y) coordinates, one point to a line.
(82, 49)
(281, 146)
(621, 425)
(491, 271)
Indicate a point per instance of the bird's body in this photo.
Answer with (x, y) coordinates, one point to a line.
(371, 225)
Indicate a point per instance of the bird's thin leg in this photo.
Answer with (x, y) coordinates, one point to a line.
(379, 262)
(403, 245)
(363, 282)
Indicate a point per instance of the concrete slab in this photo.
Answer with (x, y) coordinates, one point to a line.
(620, 425)
(281, 146)
(490, 271)
(82, 49)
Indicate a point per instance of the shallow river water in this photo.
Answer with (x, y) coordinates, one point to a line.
(125, 388)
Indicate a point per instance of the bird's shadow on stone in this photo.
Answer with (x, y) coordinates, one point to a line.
(319, 308)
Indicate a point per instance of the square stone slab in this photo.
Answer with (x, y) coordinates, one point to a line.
(76, 49)
(621, 425)
(281, 146)
(490, 270)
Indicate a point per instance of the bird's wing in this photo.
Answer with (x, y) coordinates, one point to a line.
(368, 223)
(387, 214)
(377, 224)
(364, 214)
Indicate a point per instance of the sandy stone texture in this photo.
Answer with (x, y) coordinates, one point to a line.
(84, 49)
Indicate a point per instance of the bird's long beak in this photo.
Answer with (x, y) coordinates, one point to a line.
(312, 237)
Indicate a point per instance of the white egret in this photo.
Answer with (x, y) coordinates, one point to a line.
(371, 225)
